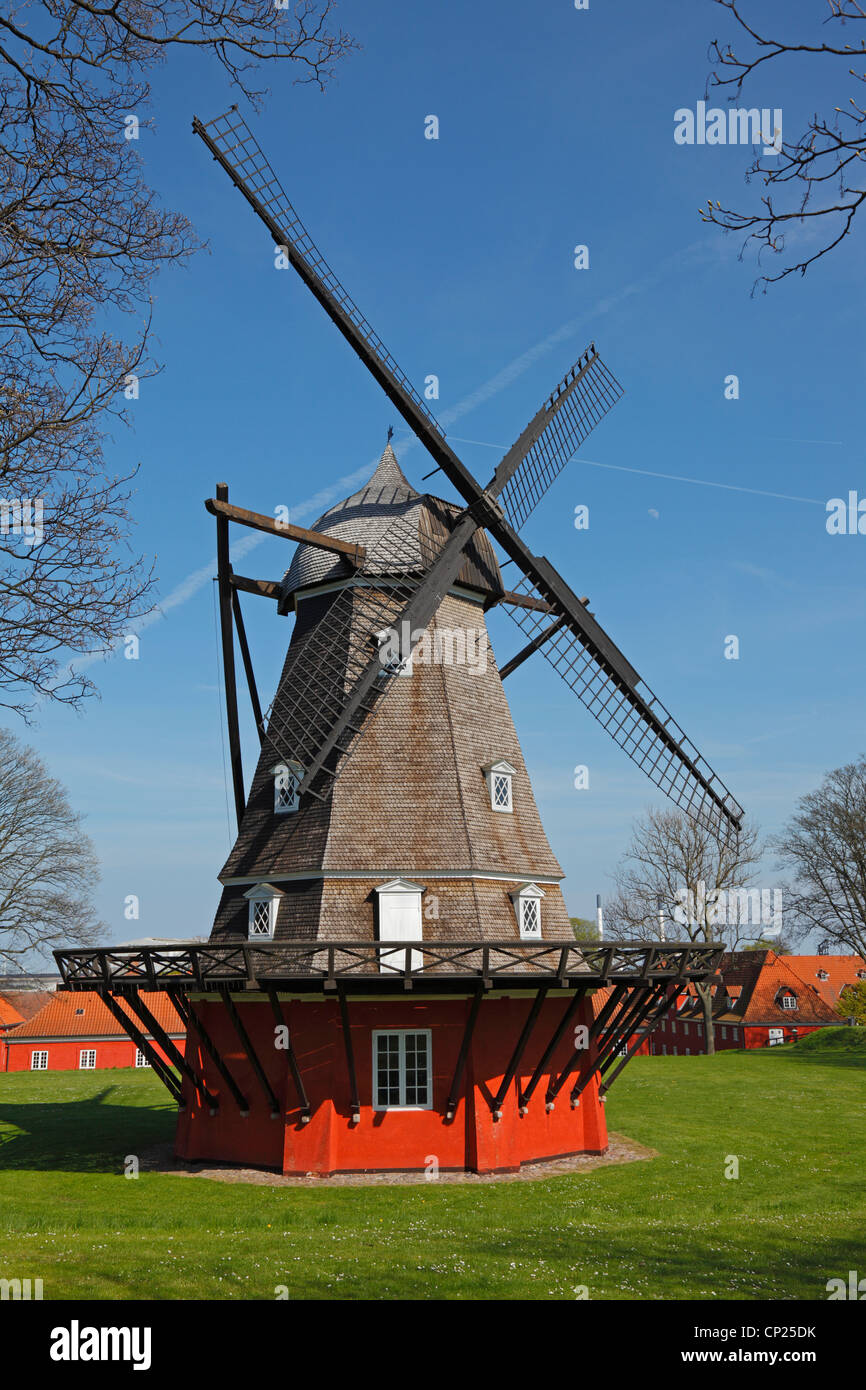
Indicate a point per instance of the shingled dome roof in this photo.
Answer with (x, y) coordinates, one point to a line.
(362, 518)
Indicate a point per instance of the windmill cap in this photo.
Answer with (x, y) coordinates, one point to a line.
(362, 519)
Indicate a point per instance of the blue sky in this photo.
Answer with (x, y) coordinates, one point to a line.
(707, 516)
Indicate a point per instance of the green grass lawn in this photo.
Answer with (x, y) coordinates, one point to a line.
(671, 1228)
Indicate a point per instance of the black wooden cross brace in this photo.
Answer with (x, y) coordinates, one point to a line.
(620, 1033)
(164, 1072)
(350, 1056)
(526, 652)
(250, 1051)
(210, 1048)
(292, 1059)
(135, 1001)
(580, 1053)
(496, 1102)
(573, 1005)
(453, 1095)
(248, 664)
(629, 1008)
(656, 1018)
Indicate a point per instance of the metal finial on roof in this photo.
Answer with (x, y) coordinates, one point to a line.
(390, 433)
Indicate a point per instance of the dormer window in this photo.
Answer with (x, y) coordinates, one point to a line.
(287, 778)
(527, 907)
(499, 777)
(787, 1000)
(264, 902)
(399, 919)
(822, 975)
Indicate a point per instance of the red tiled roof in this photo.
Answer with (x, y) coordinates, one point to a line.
(841, 971)
(9, 1013)
(83, 1015)
(28, 1001)
(763, 977)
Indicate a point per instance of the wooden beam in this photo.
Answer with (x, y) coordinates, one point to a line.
(248, 1048)
(453, 1096)
(172, 1052)
(228, 648)
(263, 588)
(570, 1010)
(248, 665)
(211, 1049)
(350, 1056)
(292, 1059)
(163, 1071)
(496, 1103)
(531, 647)
(220, 506)
(526, 601)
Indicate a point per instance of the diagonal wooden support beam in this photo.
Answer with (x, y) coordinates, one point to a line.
(581, 1053)
(221, 507)
(248, 665)
(355, 1099)
(248, 1048)
(496, 1103)
(292, 1059)
(622, 1031)
(526, 652)
(571, 1009)
(227, 636)
(656, 1018)
(175, 1056)
(453, 1095)
(164, 1072)
(211, 1049)
(262, 588)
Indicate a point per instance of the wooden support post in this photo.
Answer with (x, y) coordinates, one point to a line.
(666, 1003)
(350, 1057)
(571, 1009)
(248, 665)
(211, 1049)
(223, 508)
(526, 652)
(292, 1059)
(454, 1096)
(228, 649)
(248, 1048)
(580, 1053)
(175, 1056)
(496, 1103)
(164, 1072)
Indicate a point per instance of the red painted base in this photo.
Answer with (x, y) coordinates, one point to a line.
(390, 1139)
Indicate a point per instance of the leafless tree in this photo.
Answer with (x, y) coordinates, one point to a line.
(677, 870)
(824, 846)
(48, 867)
(81, 240)
(817, 182)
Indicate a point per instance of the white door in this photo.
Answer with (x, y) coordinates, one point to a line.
(399, 920)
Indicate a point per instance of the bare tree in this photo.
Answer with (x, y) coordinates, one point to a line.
(679, 877)
(824, 846)
(819, 180)
(48, 867)
(81, 240)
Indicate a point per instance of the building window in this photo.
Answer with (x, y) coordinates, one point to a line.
(499, 777)
(87, 1058)
(822, 975)
(402, 1071)
(287, 778)
(861, 974)
(38, 1061)
(140, 1059)
(79, 1013)
(788, 1001)
(399, 919)
(264, 902)
(527, 906)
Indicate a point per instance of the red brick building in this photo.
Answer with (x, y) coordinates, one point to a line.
(76, 1032)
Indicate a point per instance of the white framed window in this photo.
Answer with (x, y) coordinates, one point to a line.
(399, 914)
(287, 778)
(402, 1069)
(87, 1059)
(788, 1001)
(264, 903)
(822, 974)
(140, 1059)
(527, 906)
(500, 778)
(38, 1061)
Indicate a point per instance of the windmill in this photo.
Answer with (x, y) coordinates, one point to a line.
(397, 810)
(318, 736)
